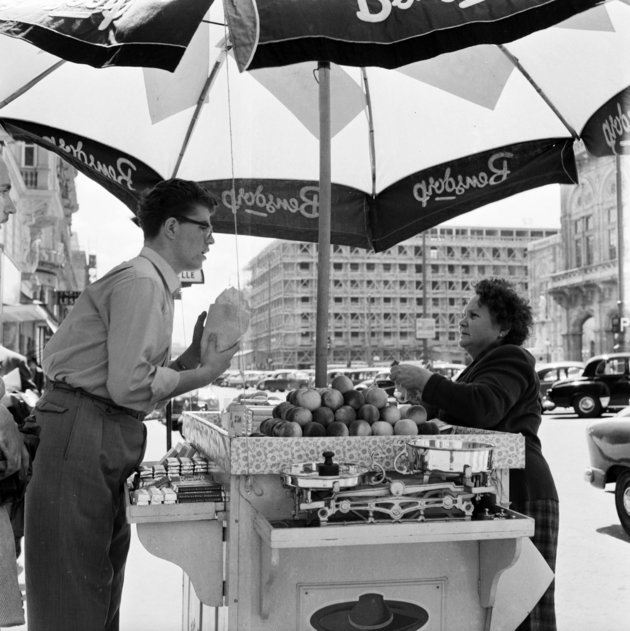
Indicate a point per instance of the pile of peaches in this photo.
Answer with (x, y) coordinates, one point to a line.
(343, 411)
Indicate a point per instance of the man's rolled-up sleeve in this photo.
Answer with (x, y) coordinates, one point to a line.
(137, 344)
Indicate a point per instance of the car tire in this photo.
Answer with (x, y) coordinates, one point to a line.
(587, 406)
(622, 500)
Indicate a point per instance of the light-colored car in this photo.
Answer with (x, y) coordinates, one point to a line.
(609, 451)
(243, 379)
(282, 380)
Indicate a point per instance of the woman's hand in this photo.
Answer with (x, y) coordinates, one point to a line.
(411, 378)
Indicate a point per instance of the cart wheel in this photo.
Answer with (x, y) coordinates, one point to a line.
(586, 406)
(622, 500)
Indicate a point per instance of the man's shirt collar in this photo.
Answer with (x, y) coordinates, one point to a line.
(171, 279)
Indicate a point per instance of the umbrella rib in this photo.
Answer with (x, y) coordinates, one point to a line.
(27, 86)
(539, 90)
(195, 117)
(370, 117)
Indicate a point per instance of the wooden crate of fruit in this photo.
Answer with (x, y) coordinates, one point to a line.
(253, 455)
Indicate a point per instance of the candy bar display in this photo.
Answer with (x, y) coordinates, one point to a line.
(176, 478)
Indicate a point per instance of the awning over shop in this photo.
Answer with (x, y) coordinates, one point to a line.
(28, 313)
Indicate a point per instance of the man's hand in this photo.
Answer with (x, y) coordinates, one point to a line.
(217, 362)
(12, 449)
(191, 357)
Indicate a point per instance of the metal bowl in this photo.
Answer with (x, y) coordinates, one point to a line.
(306, 475)
(448, 455)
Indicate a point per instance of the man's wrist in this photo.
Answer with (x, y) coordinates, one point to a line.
(180, 365)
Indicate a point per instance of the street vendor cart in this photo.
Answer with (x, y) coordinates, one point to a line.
(374, 532)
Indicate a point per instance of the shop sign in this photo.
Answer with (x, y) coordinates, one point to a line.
(425, 328)
(191, 277)
(67, 298)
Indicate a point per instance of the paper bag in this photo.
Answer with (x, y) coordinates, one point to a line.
(228, 318)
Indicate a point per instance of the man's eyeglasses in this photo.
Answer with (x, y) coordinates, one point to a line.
(204, 224)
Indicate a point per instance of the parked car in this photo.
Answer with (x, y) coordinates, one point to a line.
(357, 374)
(201, 400)
(550, 372)
(448, 369)
(609, 453)
(376, 380)
(243, 379)
(603, 386)
(282, 380)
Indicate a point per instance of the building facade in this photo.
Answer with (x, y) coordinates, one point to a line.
(40, 258)
(576, 274)
(379, 300)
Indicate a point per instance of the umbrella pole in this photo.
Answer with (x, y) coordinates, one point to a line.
(323, 249)
(621, 255)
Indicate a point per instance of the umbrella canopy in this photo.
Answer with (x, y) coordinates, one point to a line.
(387, 33)
(103, 33)
(607, 131)
(411, 147)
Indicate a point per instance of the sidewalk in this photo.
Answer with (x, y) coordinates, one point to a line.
(152, 595)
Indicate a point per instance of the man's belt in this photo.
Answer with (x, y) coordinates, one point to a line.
(62, 385)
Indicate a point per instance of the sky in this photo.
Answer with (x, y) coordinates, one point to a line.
(104, 228)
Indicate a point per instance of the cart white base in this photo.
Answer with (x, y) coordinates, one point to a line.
(272, 575)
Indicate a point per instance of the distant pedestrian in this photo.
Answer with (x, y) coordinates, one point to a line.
(37, 374)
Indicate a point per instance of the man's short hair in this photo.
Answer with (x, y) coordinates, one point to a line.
(170, 198)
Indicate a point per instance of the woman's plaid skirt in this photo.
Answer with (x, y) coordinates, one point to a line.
(546, 514)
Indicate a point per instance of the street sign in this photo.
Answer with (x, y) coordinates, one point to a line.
(425, 328)
(191, 277)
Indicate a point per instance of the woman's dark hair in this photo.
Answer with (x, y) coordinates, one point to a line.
(507, 308)
(170, 198)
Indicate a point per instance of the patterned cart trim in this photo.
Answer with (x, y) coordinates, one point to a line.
(248, 456)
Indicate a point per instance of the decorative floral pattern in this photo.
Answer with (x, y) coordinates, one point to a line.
(261, 455)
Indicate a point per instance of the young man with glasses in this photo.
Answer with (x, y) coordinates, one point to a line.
(109, 365)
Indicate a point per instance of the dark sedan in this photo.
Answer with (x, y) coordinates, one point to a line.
(603, 386)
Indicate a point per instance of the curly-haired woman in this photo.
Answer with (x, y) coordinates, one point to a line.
(499, 390)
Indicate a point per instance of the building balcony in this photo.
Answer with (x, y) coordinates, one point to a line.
(581, 276)
(51, 258)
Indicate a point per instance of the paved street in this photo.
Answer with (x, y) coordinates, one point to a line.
(593, 574)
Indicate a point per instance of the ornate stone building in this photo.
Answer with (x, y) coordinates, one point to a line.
(40, 256)
(576, 274)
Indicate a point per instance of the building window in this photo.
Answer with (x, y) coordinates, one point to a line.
(588, 249)
(29, 155)
(305, 266)
(612, 244)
